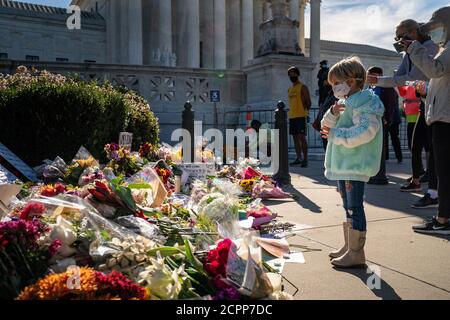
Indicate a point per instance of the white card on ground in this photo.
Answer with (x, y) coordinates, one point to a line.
(279, 263)
(246, 224)
(296, 257)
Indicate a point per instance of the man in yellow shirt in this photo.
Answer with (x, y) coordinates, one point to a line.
(299, 106)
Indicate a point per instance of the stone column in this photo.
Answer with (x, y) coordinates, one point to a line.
(220, 34)
(135, 32)
(192, 33)
(123, 33)
(315, 31)
(301, 29)
(111, 18)
(258, 16)
(234, 34)
(247, 32)
(165, 25)
(294, 9)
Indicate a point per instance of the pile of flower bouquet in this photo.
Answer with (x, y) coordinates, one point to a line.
(122, 231)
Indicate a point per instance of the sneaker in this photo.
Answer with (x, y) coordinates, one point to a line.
(426, 202)
(296, 162)
(433, 227)
(304, 164)
(411, 187)
(425, 178)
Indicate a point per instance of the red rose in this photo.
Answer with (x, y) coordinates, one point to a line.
(32, 209)
(60, 188)
(48, 191)
(213, 255)
(223, 253)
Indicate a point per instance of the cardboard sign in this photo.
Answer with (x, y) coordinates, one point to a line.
(149, 175)
(125, 140)
(196, 171)
(7, 192)
(15, 165)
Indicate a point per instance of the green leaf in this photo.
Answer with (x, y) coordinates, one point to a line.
(124, 193)
(165, 251)
(105, 235)
(190, 256)
(139, 186)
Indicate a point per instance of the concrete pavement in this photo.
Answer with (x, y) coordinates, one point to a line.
(412, 266)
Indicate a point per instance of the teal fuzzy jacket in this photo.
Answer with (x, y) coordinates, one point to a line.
(355, 140)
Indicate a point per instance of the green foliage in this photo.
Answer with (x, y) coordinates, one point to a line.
(44, 115)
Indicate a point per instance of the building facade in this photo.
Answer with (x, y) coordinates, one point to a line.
(171, 51)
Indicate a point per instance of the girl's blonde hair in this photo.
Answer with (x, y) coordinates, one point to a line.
(349, 68)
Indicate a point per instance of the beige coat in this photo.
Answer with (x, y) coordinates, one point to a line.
(438, 70)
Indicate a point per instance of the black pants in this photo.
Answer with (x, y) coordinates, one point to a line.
(441, 149)
(394, 132)
(431, 170)
(417, 141)
(325, 144)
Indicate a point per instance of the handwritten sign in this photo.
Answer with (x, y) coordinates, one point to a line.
(125, 140)
(196, 171)
(15, 165)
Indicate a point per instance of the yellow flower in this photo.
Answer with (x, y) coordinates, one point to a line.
(247, 184)
(89, 162)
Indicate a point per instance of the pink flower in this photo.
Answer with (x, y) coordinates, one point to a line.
(54, 247)
(259, 213)
(251, 173)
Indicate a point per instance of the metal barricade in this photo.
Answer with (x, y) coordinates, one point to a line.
(238, 120)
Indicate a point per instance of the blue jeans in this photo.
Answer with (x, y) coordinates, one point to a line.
(352, 193)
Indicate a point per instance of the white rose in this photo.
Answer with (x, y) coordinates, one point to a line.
(63, 231)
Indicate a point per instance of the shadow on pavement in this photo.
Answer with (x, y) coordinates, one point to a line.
(388, 197)
(302, 200)
(381, 288)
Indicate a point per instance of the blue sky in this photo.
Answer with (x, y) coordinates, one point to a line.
(360, 21)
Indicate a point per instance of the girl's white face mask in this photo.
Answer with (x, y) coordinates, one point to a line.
(341, 91)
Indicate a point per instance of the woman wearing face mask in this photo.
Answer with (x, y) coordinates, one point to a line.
(418, 132)
(355, 140)
(437, 111)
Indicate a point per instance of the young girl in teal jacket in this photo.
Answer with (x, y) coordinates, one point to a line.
(355, 140)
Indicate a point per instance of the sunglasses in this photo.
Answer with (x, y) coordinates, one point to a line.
(402, 37)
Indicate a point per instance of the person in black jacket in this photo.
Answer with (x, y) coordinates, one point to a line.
(392, 119)
(324, 86)
(329, 101)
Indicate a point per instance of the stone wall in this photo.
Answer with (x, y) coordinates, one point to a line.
(166, 89)
(24, 33)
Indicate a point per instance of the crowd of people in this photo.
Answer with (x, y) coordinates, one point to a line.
(359, 110)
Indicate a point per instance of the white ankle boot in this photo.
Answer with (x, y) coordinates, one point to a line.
(355, 256)
(339, 253)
